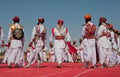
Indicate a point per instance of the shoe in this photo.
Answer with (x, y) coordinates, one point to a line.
(27, 66)
(101, 66)
(87, 65)
(59, 65)
(38, 66)
(105, 65)
(10, 66)
(93, 67)
(16, 66)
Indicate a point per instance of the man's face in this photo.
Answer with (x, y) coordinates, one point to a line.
(60, 24)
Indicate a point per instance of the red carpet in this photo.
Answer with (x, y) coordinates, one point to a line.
(50, 70)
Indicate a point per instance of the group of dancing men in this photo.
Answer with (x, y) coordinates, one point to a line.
(98, 45)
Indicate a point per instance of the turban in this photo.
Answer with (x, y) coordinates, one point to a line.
(110, 26)
(60, 21)
(102, 19)
(16, 18)
(87, 16)
(41, 20)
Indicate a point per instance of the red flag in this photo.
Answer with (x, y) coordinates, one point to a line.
(71, 48)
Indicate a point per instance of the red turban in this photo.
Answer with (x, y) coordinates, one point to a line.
(60, 21)
(41, 20)
(102, 19)
(16, 18)
(110, 26)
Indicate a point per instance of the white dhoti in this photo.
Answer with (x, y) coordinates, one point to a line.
(39, 53)
(16, 56)
(52, 59)
(118, 59)
(104, 49)
(81, 55)
(69, 56)
(89, 53)
(44, 56)
(59, 54)
(113, 58)
(35, 54)
(31, 56)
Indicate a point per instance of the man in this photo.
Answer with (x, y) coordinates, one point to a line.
(38, 40)
(1, 38)
(104, 43)
(88, 33)
(114, 57)
(16, 43)
(61, 35)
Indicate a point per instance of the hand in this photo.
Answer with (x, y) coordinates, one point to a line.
(23, 44)
(68, 42)
(30, 44)
(9, 44)
(43, 47)
(81, 49)
(51, 45)
(2, 44)
(28, 50)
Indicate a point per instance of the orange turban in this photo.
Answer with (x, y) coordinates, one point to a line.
(87, 16)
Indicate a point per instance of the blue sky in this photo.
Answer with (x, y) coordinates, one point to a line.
(71, 11)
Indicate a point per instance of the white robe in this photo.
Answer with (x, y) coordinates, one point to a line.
(59, 45)
(89, 53)
(16, 50)
(104, 45)
(33, 55)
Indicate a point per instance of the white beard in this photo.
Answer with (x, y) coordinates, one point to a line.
(61, 30)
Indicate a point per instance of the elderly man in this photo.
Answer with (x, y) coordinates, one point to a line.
(61, 35)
